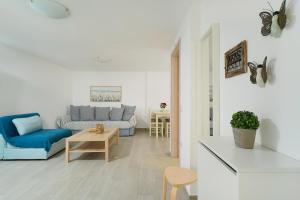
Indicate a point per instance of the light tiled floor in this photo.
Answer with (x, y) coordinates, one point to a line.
(134, 173)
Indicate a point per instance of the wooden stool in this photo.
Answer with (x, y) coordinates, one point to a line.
(177, 177)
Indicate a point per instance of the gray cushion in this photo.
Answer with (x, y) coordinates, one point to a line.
(116, 114)
(75, 113)
(128, 112)
(102, 113)
(87, 113)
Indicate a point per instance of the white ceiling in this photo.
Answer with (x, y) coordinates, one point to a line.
(135, 34)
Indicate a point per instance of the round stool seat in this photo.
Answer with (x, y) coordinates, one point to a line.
(177, 176)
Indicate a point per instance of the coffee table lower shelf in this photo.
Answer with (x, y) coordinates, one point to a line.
(89, 147)
(86, 142)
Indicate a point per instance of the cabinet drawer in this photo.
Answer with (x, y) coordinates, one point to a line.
(216, 179)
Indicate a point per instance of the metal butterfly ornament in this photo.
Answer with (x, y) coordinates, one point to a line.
(273, 21)
(258, 72)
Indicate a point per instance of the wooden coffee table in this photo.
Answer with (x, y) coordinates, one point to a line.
(91, 142)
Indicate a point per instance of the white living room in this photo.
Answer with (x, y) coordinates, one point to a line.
(149, 100)
(68, 80)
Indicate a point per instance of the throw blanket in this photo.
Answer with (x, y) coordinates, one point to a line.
(40, 139)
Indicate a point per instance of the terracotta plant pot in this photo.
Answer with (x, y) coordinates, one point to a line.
(244, 138)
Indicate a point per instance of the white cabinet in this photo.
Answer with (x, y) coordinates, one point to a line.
(230, 173)
(216, 180)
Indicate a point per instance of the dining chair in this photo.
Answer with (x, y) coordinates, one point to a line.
(168, 127)
(153, 125)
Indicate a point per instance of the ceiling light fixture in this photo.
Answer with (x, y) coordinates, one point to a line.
(50, 8)
(102, 60)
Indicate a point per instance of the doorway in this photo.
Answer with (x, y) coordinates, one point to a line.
(175, 101)
(210, 86)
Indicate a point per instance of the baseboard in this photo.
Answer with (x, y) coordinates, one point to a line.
(141, 129)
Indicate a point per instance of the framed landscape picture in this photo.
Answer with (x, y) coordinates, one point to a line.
(105, 93)
(236, 60)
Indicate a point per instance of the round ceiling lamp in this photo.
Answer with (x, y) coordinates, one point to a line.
(103, 60)
(50, 8)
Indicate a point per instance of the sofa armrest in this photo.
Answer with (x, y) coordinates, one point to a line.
(62, 120)
(3, 145)
(132, 121)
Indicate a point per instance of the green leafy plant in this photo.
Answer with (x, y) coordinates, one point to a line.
(244, 120)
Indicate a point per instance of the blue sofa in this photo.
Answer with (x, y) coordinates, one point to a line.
(37, 145)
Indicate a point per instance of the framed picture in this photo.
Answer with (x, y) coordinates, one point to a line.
(236, 60)
(105, 93)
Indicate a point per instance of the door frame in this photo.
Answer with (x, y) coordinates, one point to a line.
(175, 101)
(214, 33)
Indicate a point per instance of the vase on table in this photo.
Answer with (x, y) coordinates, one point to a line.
(163, 107)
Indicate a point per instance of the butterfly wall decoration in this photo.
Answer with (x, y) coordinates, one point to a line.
(259, 73)
(273, 21)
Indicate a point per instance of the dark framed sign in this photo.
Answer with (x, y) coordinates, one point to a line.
(236, 60)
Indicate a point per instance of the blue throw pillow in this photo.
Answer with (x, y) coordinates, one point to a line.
(128, 112)
(28, 124)
(87, 113)
(116, 114)
(102, 113)
(75, 113)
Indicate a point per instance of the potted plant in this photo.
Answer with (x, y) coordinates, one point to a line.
(244, 125)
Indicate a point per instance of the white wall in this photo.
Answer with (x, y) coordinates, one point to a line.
(146, 90)
(158, 89)
(185, 95)
(31, 84)
(276, 104)
(187, 36)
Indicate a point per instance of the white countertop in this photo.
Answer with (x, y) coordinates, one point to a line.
(259, 159)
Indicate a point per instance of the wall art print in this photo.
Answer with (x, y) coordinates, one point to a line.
(105, 93)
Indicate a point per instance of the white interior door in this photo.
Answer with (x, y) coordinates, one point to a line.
(205, 83)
